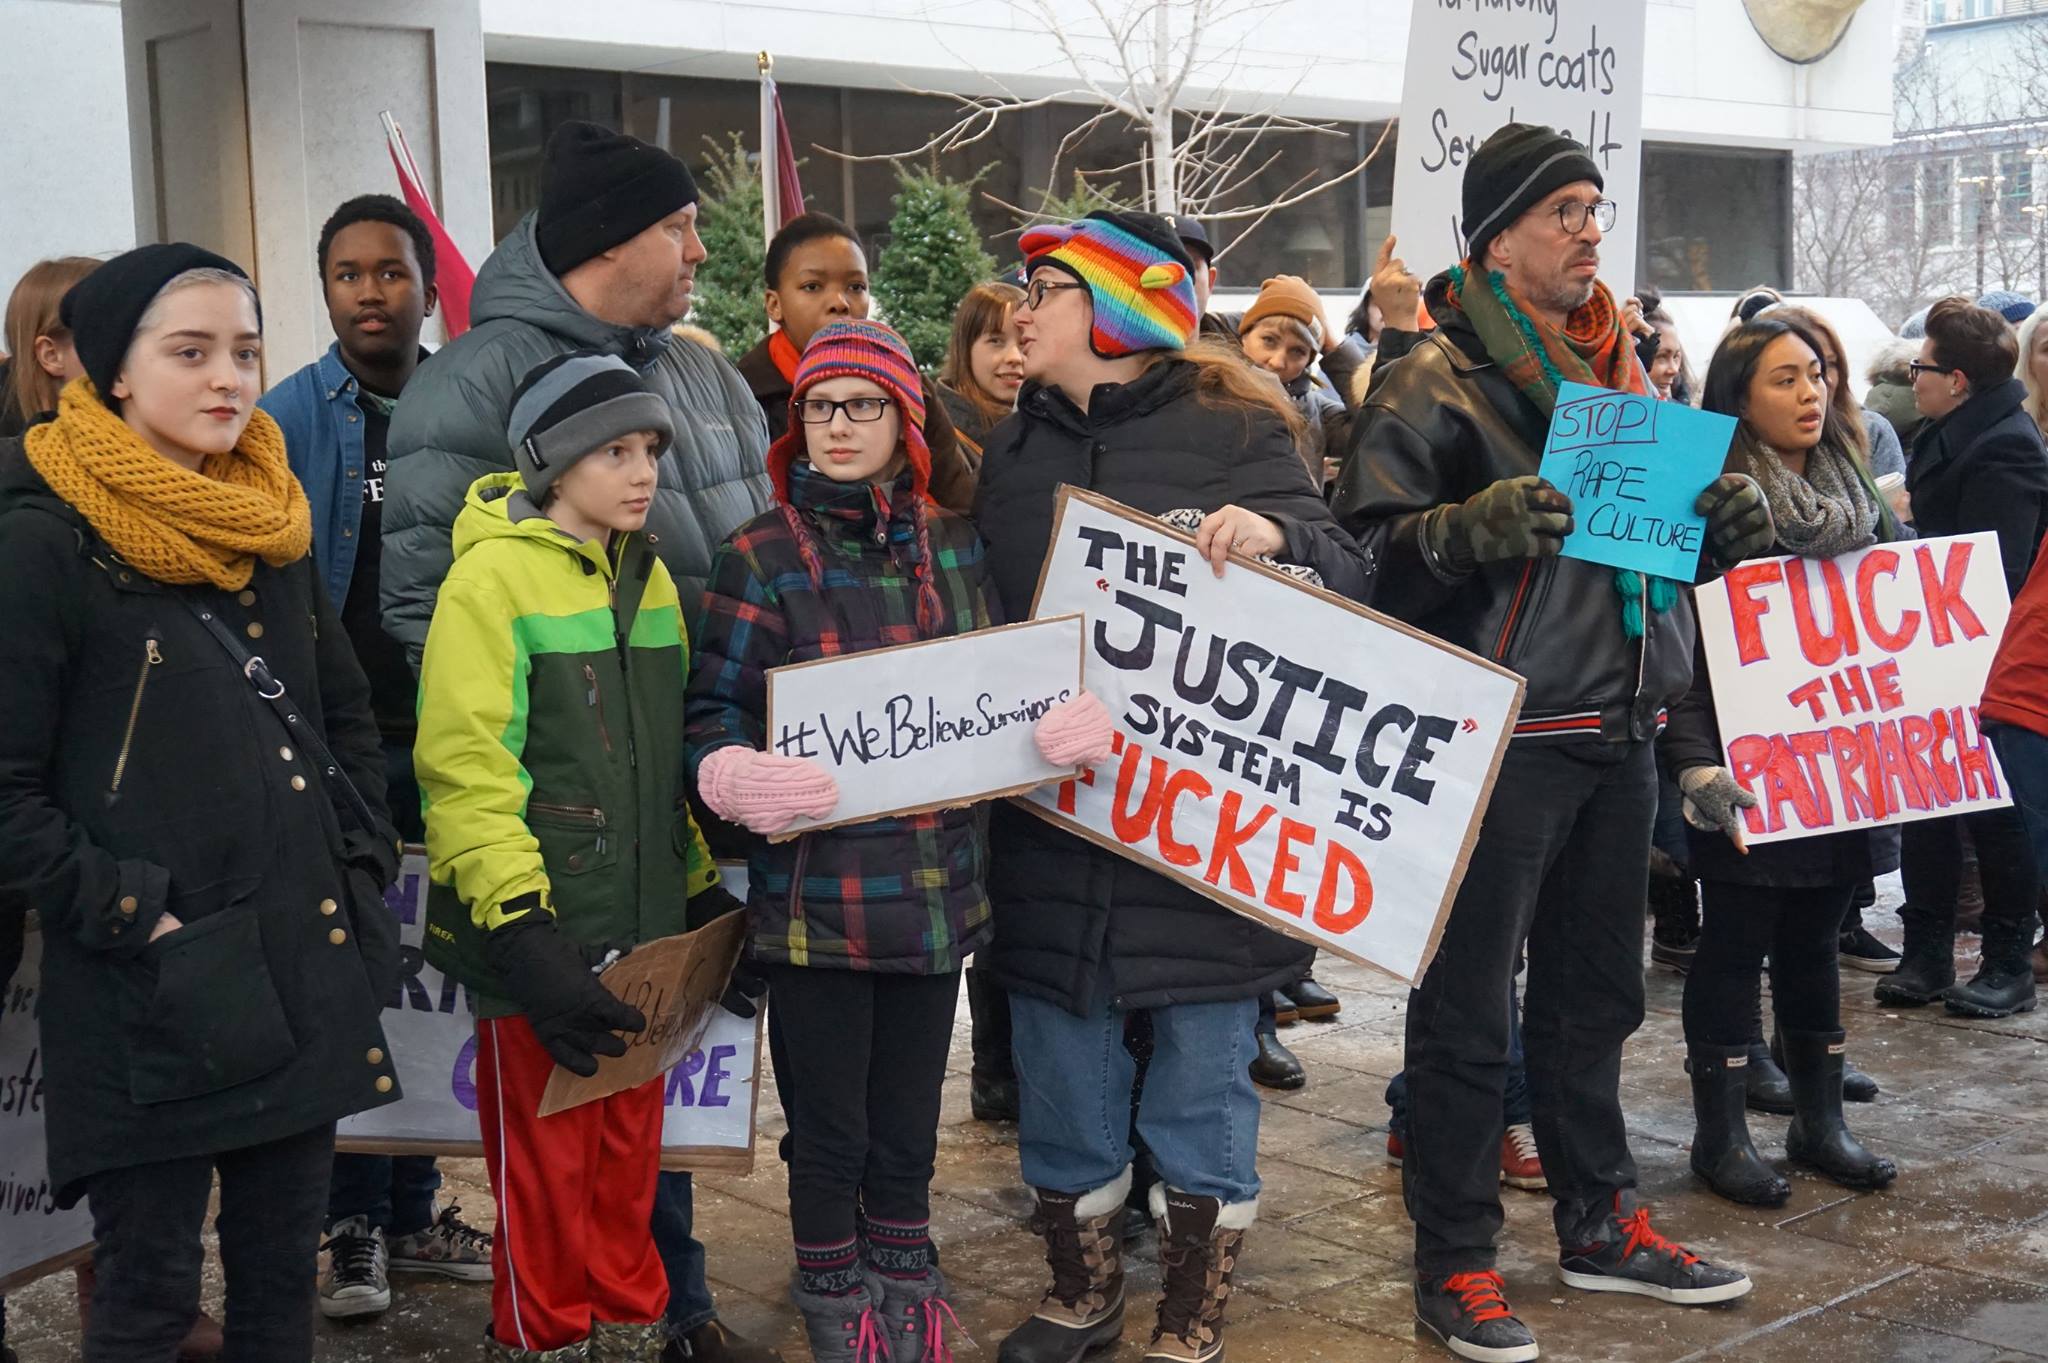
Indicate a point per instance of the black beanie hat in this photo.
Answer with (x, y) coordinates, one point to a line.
(1512, 172)
(598, 188)
(103, 309)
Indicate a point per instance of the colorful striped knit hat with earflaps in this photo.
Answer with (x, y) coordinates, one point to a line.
(862, 349)
(1138, 273)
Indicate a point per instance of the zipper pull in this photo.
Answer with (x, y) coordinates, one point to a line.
(590, 675)
(154, 654)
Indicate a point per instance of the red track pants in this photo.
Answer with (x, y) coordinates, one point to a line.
(575, 1197)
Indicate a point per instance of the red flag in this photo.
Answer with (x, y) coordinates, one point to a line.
(782, 194)
(452, 275)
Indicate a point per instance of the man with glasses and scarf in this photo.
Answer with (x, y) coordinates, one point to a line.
(1442, 486)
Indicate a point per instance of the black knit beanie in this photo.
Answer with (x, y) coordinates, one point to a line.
(103, 309)
(1513, 171)
(599, 188)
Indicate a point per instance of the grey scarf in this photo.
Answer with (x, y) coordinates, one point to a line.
(1828, 512)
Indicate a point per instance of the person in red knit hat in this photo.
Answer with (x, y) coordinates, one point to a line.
(860, 930)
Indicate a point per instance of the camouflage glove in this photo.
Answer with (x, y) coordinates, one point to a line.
(1515, 518)
(1711, 800)
(1739, 524)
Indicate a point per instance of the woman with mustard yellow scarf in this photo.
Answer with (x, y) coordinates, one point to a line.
(192, 802)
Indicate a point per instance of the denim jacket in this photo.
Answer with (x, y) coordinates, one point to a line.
(323, 439)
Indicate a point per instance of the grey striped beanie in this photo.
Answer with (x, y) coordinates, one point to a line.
(576, 404)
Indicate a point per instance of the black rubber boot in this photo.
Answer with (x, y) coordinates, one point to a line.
(1819, 1137)
(2004, 984)
(1765, 1087)
(992, 1084)
(1722, 1152)
(1674, 915)
(1928, 966)
(1857, 1087)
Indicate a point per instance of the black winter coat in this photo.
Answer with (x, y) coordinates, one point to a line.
(1445, 423)
(1076, 924)
(1982, 467)
(141, 774)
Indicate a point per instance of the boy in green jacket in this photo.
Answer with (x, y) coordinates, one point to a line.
(550, 759)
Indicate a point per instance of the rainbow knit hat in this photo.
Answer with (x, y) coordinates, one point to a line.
(1138, 273)
(857, 348)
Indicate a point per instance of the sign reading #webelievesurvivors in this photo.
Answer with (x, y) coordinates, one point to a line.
(1633, 467)
(1293, 756)
(1473, 65)
(927, 725)
(1846, 689)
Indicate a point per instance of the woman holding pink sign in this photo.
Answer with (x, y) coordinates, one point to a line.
(1784, 900)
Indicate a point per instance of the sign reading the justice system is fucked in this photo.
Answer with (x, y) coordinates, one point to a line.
(1846, 689)
(1291, 755)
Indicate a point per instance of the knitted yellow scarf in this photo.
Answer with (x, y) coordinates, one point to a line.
(163, 519)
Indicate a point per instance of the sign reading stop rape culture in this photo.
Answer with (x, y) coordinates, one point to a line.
(1633, 467)
(1846, 689)
(1291, 755)
(1473, 65)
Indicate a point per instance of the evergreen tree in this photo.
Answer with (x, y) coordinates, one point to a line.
(729, 285)
(934, 256)
(1085, 198)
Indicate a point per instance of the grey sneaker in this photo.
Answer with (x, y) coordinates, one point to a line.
(450, 1247)
(357, 1281)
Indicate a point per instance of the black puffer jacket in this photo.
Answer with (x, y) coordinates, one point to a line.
(1982, 467)
(141, 774)
(1445, 423)
(1076, 924)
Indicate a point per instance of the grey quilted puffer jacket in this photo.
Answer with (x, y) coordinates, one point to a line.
(449, 431)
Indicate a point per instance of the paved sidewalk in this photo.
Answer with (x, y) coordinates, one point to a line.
(1949, 1266)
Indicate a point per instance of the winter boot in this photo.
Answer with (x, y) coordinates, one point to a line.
(1857, 1087)
(1927, 969)
(1199, 1241)
(1083, 1310)
(1765, 1088)
(611, 1342)
(844, 1328)
(1722, 1152)
(2004, 984)
(1818, 1136)
(1674, 914)
(915, 1317)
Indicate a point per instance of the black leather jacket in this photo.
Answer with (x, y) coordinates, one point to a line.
(1445, 423)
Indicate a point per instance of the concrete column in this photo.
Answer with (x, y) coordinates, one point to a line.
(251, 119)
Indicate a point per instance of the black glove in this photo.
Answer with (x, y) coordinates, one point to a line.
(747, 985)
(1515, 518)
(1739, 524)
(573, 1015)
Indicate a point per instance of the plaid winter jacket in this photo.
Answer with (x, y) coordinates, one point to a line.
(903, 895)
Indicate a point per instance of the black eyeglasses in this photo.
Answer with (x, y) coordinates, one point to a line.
(1037, 289)
(820, 411)
(1918, 368)
(1572, 215)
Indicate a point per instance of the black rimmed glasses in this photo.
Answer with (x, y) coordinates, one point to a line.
(1573, 213)
(1037, 289)
(1917, 368)
(820, 411)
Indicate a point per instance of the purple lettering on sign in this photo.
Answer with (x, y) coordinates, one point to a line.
(715, 1071)
(680, 1091)
(463, 1081)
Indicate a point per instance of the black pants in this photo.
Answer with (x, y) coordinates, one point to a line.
(1562, 863)
(868, 1054)
(1931, 868)
(147, 1219)
(1740, 925)
(988, 1004)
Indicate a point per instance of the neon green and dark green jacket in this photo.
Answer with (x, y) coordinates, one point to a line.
(550, 750)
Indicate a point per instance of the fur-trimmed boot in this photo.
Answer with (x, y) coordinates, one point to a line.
(844, 1328)
(1199, 1241)
(1083, 1310)
(918, 1319)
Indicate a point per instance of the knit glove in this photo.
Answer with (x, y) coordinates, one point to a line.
(1739, 524)
(1711, 799)
(573, 1015)
(1514, 518)
(1075, 732)
(762, 791)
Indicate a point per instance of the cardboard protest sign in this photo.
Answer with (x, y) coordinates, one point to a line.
(1633, 467)
(927, 725)
(1473, 65)
(1846, 689)
(430, 1023)
(35, 1237)
(1293, 756)
(675, 982)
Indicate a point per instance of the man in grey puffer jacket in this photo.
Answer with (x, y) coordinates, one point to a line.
(606, 263)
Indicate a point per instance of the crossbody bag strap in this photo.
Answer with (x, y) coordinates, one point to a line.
(258, 675)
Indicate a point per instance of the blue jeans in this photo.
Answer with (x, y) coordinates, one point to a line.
(682, 1255)
(1199, 1114)
(2023, 756)
(1514, 1105)
(396, 1192)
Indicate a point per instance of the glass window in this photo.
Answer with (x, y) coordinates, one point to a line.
(525, 104)
(1713, 218)
(1937, 196)
(1899, 182)
(2015, 194)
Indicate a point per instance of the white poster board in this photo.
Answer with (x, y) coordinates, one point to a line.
(927, 725)
(35, 1238)
(708, 1112)
(1293, 756)
(1473, 65)
(1846, 689)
